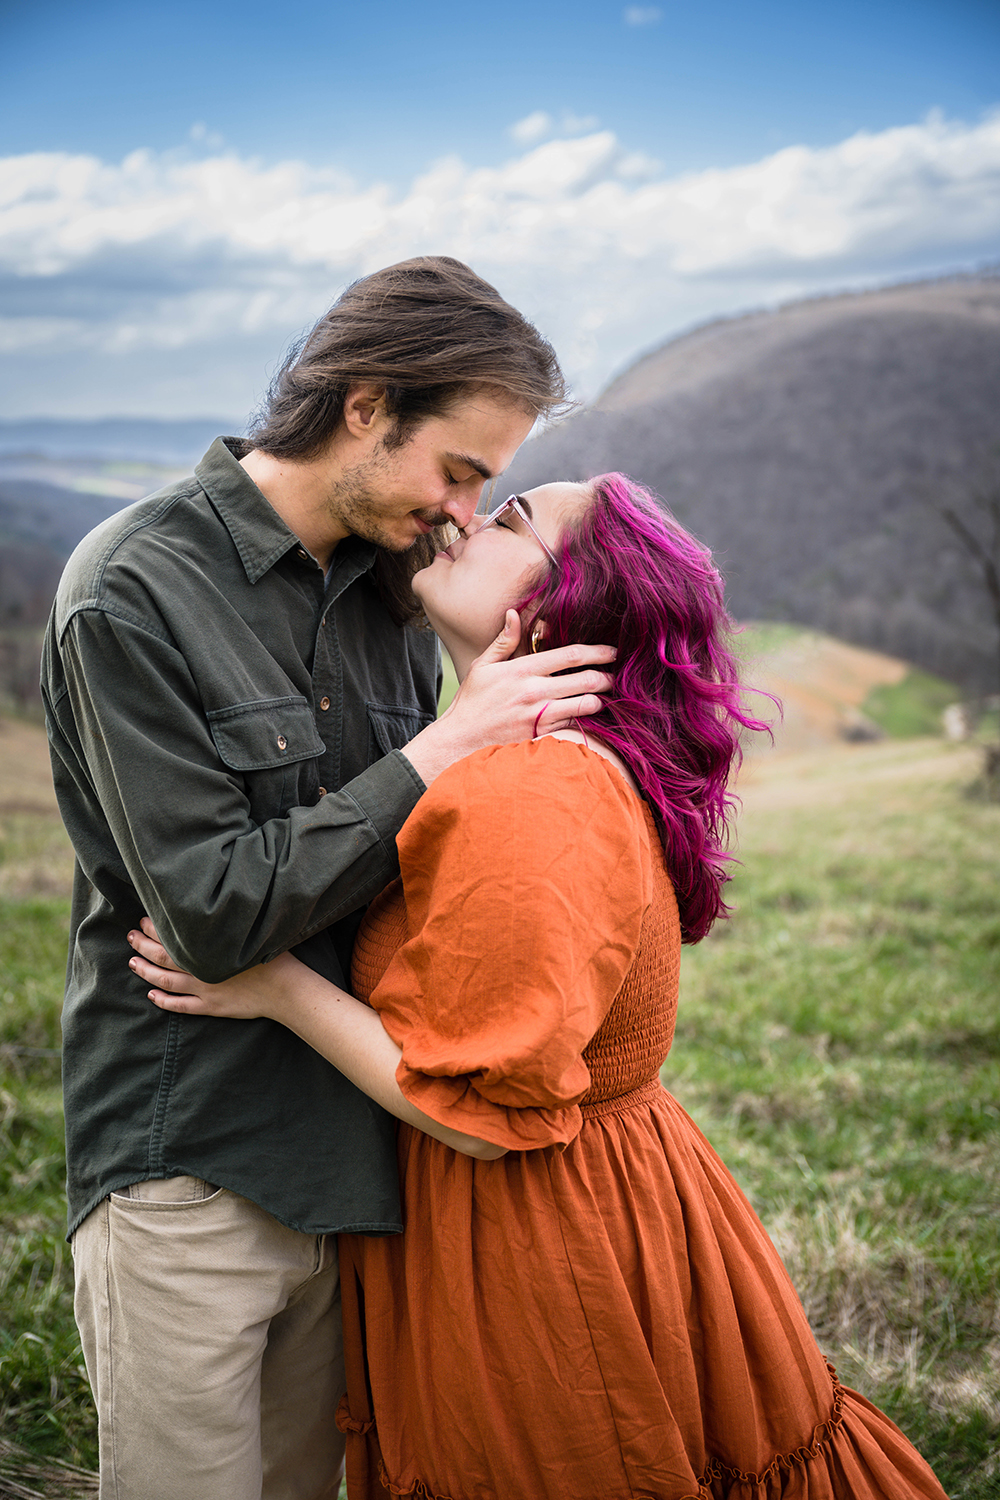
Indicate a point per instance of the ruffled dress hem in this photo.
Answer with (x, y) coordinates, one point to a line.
(787, 1473)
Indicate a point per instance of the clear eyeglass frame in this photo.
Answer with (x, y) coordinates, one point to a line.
(513, 502)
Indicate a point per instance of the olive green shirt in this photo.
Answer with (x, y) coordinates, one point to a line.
(225, 726)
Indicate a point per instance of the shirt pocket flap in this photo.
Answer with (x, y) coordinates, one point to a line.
(271, 732)
(394, 727)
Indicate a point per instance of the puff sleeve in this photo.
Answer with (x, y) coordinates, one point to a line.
(526, 874)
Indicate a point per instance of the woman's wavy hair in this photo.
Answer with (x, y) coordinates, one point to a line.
(630, 576)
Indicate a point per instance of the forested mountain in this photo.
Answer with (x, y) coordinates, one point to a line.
(811, 448)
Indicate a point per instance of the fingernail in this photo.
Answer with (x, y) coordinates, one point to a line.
(131, 963)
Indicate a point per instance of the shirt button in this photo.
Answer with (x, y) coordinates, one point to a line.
(322, 791)
(282, 742)
(324, 704)
(301, 552)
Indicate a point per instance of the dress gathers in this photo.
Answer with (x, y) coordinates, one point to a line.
(598, 1314)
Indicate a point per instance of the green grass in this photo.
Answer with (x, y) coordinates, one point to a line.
(758, 639)
(911, 707)
(449, 685)
(838, 1040)
(44, 1397)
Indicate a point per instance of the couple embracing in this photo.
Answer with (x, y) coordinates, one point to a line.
(397, 1168)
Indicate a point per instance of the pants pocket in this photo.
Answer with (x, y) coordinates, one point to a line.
(175, 1190)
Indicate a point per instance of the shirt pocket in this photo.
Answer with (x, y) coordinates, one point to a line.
(391, 727)
(273, 746)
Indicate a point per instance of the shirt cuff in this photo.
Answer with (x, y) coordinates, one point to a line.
(387, 793)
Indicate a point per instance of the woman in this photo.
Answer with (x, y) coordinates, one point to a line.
(583, 1305)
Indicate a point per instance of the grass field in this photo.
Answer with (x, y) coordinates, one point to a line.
(839, 1042)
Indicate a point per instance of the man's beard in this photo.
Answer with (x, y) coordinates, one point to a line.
(353, 502)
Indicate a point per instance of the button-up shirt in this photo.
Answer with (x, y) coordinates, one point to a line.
(225, 726)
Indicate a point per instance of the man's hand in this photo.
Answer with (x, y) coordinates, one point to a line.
(503, 701)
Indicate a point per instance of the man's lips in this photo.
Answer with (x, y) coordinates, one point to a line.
(430, 523)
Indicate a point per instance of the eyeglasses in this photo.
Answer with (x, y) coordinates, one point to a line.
(514, 502)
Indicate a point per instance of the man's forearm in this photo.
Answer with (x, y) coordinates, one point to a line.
(227, 890)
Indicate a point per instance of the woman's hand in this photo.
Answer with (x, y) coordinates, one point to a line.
(261, 991)
(347, 1033)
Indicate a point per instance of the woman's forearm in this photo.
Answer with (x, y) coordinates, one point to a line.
(352, 1037)
(343, 1030)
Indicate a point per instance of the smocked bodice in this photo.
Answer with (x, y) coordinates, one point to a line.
(629, 1046)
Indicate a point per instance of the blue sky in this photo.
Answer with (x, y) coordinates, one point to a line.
(384, 89)
(656, 165)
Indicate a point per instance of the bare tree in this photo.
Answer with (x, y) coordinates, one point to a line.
(979, 532)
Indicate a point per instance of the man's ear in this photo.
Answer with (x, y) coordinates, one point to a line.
(364, 410)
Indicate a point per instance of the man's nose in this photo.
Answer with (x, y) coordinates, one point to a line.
(461, 510)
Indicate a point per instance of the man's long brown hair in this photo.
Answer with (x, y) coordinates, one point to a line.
(428, 331)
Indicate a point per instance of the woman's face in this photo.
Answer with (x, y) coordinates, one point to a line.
(468, 588)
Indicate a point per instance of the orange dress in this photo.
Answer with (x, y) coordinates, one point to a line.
(599, 1314)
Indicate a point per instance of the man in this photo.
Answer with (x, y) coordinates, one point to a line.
(241, 719)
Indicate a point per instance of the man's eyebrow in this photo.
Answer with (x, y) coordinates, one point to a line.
(479, 465)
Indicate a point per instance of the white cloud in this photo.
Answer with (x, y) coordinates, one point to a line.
(534, 127)
(642, 15)
(195, 265)
(202, 136)
(571, 124)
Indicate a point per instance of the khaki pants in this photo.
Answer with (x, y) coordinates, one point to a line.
(212, 1339)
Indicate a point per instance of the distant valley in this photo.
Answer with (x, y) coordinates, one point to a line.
(812, 447)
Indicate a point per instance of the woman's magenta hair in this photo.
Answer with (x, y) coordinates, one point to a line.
(631, 577)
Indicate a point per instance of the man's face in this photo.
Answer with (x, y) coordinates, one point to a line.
(394, 495)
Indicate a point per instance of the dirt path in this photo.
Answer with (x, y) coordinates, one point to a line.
(25, 773)
(822, 684)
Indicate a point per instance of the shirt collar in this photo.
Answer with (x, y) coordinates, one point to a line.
(259, 534)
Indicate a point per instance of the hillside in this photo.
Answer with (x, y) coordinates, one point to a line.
(46, 506)
(809, 447)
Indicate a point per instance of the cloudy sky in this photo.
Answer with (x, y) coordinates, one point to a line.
(185, 186)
